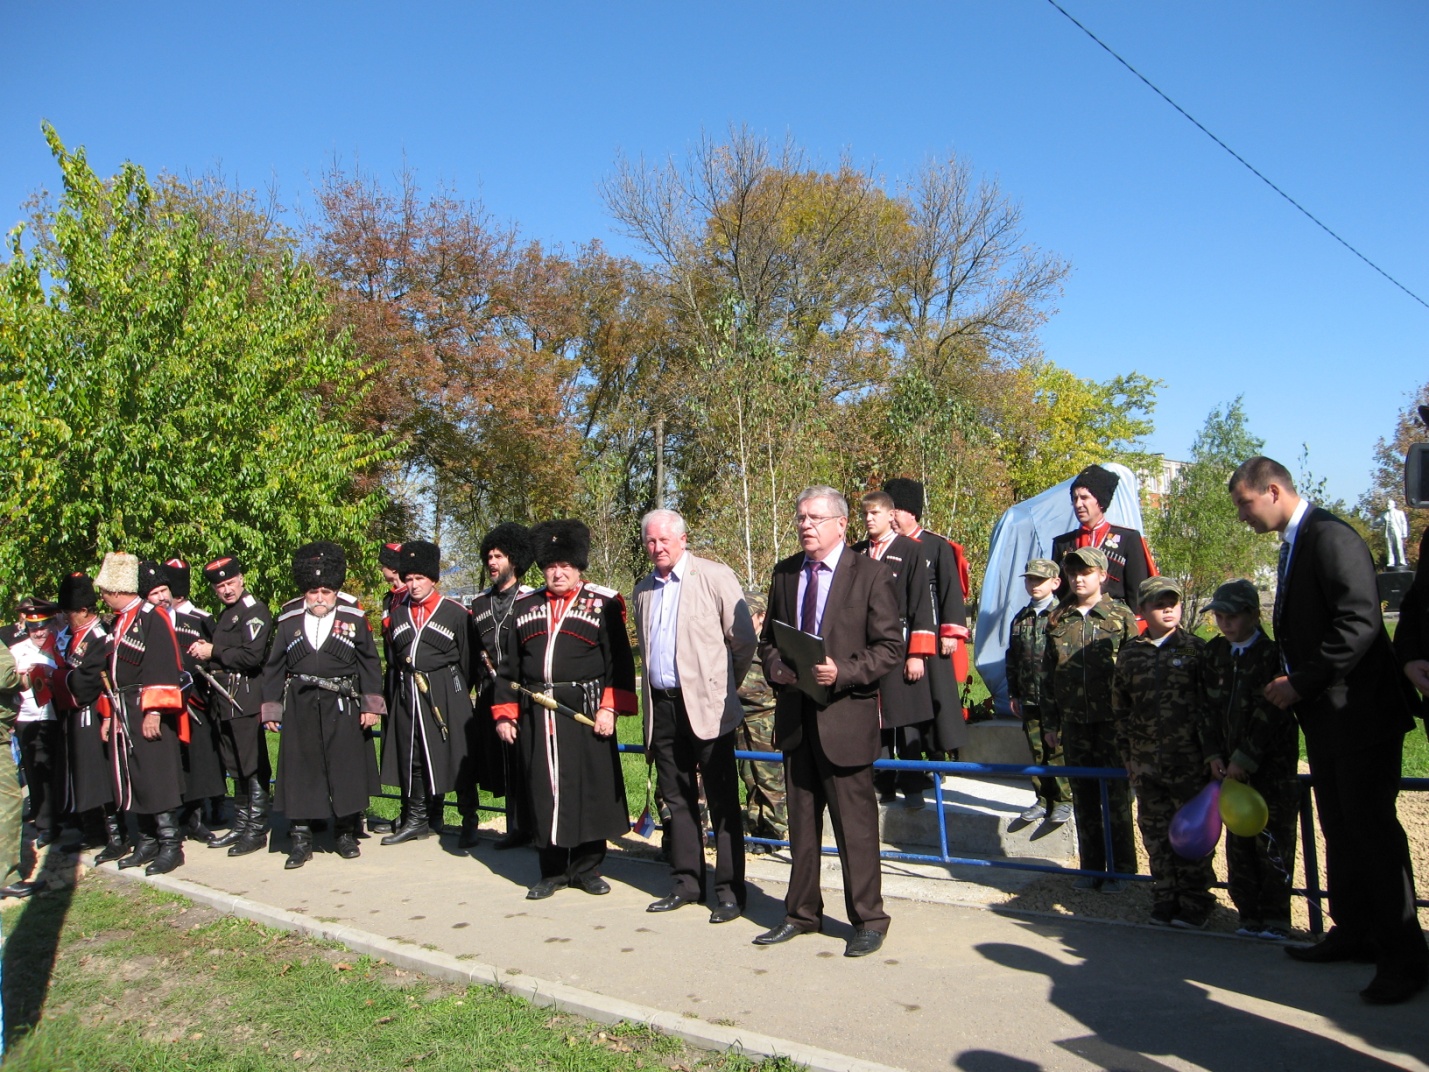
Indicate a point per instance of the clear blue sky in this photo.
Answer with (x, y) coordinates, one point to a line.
(1186, 267)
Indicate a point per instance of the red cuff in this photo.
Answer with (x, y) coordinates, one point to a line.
(104, 708)
(921, 642)
(621, 701)
(161, 698)
(956, 632)
(506, 712)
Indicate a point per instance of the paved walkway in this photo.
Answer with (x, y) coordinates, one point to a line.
(956, 985)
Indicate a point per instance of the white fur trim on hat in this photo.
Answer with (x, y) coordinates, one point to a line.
(120, 573)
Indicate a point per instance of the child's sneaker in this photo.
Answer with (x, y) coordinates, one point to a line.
(1163, 914)
(1190, 919)
(1087, 882)
(1275, 933)
(1250, 928)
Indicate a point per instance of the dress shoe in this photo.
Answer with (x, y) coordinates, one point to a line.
(546, 887)
(1392, 988)
(670, 903)
(592, 884)
(1336, 946)
(379, 826)
(513, 839)
(781, 933)
(863, 943)
(725, 911)
(21, 889)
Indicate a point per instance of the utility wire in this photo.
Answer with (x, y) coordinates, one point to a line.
(1308, 214)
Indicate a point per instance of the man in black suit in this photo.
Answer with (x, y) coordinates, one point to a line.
(849, 601)
(1344, 684)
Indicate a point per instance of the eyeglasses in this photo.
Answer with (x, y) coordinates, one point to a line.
(812, 519)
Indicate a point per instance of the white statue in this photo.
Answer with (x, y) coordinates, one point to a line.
(1396, 531)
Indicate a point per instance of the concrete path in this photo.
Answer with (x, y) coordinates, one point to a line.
(957, 986)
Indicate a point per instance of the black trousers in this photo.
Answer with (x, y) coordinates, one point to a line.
(682, 761)
(813, 782)
(1368, 871)
(579, 863)
(244, 748)
(43, 757)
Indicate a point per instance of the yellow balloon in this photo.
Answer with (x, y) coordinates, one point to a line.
(1242, 808)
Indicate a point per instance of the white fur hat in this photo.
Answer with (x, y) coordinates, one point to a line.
(120, 573)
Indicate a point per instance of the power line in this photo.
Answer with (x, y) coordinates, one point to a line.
(1199, 126)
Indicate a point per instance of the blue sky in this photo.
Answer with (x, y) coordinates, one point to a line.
(1185, 267)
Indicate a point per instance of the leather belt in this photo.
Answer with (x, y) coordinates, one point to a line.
(669, 695)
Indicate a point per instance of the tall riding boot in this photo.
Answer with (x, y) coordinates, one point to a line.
(236, 826)
(255, 829)
(437, 813)
(171, 845)
(470, 832)
(301, 851)
(191, 822)
(346, 829)
(414, 820)
(146, 846)
(114, 846)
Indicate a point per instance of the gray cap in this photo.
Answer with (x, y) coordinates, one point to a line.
(1089, 556)
(1235, 597)
(1041, 568)
(1152, 587)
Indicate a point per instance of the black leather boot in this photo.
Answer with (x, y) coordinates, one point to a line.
(346, 829)
(414, 821)
(470, 838)
(301, 851)
(146, 847)
(255, 827)
(437, 814)
(191, 822)
(114, 846)
(236, 825)
(171, 845)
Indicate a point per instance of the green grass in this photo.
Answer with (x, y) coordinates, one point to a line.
(148, 982)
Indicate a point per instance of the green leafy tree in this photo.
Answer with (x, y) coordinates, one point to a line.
(1196, 535)
(170, 393)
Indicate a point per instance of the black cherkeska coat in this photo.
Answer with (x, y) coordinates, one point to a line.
(144, 670)
(203, 762)
(490, 648)
(580, 654)
(949, 605)
(83, 656)
(326, 763)
(440, 650)
(902, 702)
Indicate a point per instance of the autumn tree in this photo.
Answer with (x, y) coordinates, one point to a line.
(1388, 475)
(166, 393)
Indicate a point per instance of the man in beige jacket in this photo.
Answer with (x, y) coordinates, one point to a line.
(696, 641)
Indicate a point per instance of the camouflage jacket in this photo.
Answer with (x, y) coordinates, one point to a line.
(1164, 729)
(756, 695)
(1026, 643)
(1256, 732)
(1079, 662)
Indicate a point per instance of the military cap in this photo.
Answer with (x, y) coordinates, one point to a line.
(118, 573)
(1087, 556)
(513, 541)
(1235, 597)
(1042, 568)
(319, 565)
(566, 540)
(221, 569)
(906, 494)
(422, 558)
(77, 592)
(34, 609)
(755, 602)
(151, 576)
(180, 577)
(390, 556)
(1152, 587)
(1100, 482)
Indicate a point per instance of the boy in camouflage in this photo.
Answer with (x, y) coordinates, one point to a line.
(1263, 743)
(1084, 635)
(766, 814)
(1026, 643)
(1167, 740)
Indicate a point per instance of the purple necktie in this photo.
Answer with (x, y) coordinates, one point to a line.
(809, 612)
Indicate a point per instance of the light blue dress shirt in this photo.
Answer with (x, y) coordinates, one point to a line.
(664, 614)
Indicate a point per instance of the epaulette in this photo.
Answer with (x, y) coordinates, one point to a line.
(347, 597)
(146, 607)
(602, 590)
(291, 609)
(197, 611)
(248, 599)
(352, 608)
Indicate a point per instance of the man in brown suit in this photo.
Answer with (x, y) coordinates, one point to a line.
(849, 601)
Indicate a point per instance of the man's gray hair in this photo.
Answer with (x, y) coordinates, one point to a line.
(823, 491)
(668, 517)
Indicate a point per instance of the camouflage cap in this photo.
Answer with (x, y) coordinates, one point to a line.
(1152, 587)
(1041, 568)
(1087, 556)
(1235, 597)
(755, 602)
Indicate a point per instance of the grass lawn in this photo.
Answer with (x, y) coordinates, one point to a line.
(114, 975)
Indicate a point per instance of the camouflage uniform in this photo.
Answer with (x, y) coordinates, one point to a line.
(1076, 705)
(1026, 645)
(1167, 738)
(765, 813)
(1265, 741)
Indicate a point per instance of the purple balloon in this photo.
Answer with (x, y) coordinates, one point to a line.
(1196, 826)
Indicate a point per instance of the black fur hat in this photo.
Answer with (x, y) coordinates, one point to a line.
(319, 565)
(77, 592)
(512, 540)
(390, 556)
(1100, 482)
(561, 541)
(151, 576)
(421, 557)
(180, 577)
(906, 494)
(222, 568)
